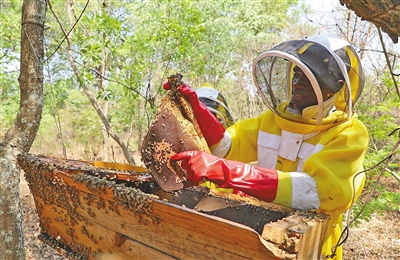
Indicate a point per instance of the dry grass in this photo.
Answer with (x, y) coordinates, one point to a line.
(380, 237)
(376, 239)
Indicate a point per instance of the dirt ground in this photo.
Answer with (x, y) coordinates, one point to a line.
(378, 239)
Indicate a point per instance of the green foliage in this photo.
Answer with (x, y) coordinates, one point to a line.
(10, 17)
(379, 110)
(10, 31)
(140, 43)
(9, 100)
(80, 125)
(385, 201)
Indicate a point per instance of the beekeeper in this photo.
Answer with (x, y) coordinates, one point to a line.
(309, 145)
(216, 103)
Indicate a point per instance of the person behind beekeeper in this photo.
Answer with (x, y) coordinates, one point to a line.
(309, 144)
(216, 103)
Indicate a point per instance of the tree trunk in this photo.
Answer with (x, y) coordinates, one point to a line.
(21, 135)
(385, 14)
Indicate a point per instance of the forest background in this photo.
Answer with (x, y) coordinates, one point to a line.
(105, 62)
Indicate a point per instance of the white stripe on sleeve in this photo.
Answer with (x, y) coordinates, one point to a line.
(224, 146)
(304, 192)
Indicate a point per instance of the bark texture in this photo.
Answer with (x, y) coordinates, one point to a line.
(21, 135)
(385, 14)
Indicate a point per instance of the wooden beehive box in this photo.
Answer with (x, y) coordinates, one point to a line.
(89, 212)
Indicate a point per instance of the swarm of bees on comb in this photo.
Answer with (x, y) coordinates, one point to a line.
(174, 129)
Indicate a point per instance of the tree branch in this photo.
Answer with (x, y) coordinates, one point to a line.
(388, 62)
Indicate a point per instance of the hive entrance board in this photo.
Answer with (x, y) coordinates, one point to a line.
(174, 129)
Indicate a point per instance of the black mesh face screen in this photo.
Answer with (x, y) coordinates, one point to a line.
(271, 75)
(320, 61)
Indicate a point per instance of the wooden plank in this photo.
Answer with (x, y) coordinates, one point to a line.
(298, 235)
(185, 233)
(90, 237)
(176, 230)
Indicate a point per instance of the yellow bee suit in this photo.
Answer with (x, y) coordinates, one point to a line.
(316, 163)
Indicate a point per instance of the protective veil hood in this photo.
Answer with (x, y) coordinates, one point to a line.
(331, 65)
(216, 103)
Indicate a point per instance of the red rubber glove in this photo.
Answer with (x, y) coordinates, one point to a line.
(255, 181)
(212, 129)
